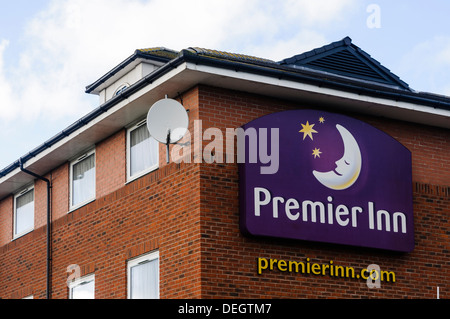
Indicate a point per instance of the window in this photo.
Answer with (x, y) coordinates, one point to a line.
(142, 151)
(121, 89)
(82, 180)
(143, 277)
(83, 288)
(24, 212)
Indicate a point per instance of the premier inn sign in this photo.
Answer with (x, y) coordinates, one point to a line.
(338, 180)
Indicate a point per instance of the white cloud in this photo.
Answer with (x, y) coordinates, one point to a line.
(443, 55)
(6, 109)
(427, 65)
(280, 29)
(316, 13)
(72, 43)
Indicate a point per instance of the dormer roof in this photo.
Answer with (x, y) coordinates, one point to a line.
(156, 55)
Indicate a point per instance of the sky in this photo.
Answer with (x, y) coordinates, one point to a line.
(50, 50)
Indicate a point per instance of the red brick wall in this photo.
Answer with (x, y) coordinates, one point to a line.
(60, 191)
(190, 213)
(110, 164)
(40, 203)
(158, 211)
(6, 220)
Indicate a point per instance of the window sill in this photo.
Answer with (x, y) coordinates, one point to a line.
(78, 206)
(22, 234)
(141, 174)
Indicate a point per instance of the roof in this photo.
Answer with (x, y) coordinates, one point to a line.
(309, 67)
(346, 59)
(159, 52)
(229, 56)
(305, 75)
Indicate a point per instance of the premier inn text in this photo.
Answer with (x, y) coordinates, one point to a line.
(327, 212)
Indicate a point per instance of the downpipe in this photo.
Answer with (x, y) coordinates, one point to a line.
(49, 227)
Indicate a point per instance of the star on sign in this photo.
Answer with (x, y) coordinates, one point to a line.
(316, 152)
(307, 130)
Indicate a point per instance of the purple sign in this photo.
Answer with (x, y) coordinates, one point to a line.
(334, 179)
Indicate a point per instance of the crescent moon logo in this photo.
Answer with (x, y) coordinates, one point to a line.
(347, 168)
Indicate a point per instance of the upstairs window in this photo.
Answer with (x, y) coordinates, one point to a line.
(82, 180)
(142, 151)
(24, 212)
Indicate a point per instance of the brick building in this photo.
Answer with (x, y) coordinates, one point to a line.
(127, 224)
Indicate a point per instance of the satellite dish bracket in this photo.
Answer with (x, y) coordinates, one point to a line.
(167, 146)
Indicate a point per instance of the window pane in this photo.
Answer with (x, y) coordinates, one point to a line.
(83, 185)
(24, 212)
(145, 280)
(143, 150)
(85, 290)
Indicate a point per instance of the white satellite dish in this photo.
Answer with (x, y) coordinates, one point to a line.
(167, 122)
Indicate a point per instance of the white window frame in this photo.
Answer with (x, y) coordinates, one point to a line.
(16, 196)
(147, 170)
(72, 163)
(121, 88)
(81, 281)
(139, 260)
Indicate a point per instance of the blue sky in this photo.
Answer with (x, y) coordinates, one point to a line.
(51, 49)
